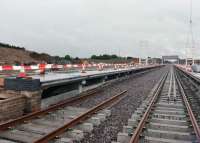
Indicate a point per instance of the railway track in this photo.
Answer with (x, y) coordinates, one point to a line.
(138, 89)
(164, 117)
(192, 89)
(37, 127)
(57, 123)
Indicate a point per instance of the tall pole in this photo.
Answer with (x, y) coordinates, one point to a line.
(191, 32)
(190, 44)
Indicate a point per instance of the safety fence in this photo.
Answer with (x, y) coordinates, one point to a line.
(55, 66)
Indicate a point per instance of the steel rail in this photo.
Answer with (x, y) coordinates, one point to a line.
(170, 84)
(78, 119)
(189, 110)
(193, 80)
(189, 75)
(21, 120)
(136, 135)
(174, 87)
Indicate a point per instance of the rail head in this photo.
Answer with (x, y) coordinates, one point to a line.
(136, 135)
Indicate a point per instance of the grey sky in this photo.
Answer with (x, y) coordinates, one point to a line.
(85, 27)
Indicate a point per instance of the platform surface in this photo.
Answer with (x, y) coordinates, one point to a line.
(196, 74)
(51, 76)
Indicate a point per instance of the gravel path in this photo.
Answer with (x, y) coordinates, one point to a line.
(138, 88)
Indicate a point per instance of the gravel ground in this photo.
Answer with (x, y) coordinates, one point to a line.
(138, 88)
(109, 91)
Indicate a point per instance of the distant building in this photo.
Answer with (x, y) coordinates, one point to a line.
(142, 61)
(156, 61)
(135, 61)
(189, 61)
(170, 59)
(182, 61)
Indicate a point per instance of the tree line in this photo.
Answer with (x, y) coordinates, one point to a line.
(99, 57)
(4, 45)
(108, 57)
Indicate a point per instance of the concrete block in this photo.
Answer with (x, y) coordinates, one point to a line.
(139, 112)
(95, 121)
(163, 140)
(123, 138)
(75, 134)
(132, 122)
(34, 128)
(49, 123)
(128, 129)
(101, 116)
(64, 140)
(172, 112)
(21, 136)
(169, 127)
(170, 134)
(135, 116)
(172, 122)
(76, 109)
(166, 105)
(19, 84)
(143, 106)
(86, 127)
(169, 116)
(107, 112)
(72, 113)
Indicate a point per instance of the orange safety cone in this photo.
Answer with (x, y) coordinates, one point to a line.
(22, 73)
(42, 68)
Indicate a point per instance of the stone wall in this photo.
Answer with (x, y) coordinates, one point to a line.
(12, 107)
(15, 104)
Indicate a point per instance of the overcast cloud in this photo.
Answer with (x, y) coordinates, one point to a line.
(84, 27)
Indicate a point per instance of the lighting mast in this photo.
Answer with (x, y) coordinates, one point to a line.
(191, 41)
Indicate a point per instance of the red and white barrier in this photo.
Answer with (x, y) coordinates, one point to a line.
(43, 67)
